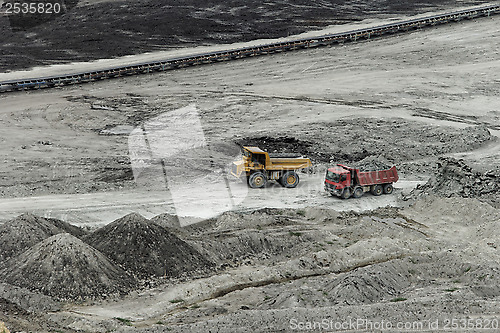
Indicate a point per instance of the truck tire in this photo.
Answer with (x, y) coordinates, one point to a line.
(257, 180)
(358, 192)
(388, 189)
(377, 190)
(346, 193)
(289, 179)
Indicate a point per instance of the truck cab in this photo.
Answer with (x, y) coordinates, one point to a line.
(256, 157)
(337, 179)
(252, 158)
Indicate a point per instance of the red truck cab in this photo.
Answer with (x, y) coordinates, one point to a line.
(344, 181)
(337, 178)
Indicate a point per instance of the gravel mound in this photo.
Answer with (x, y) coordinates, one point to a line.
(147, 249)
(27, 300)
(284, 155)
(369, 284)
(371, 163)
(456, 178)
(27, 230)
(167, 220)
(64, 267)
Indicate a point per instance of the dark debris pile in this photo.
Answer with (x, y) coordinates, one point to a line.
(456, 178)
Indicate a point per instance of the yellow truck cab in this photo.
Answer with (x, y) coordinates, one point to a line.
(258, 167)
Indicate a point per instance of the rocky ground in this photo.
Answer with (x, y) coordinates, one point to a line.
(89, 239)
(270, 267)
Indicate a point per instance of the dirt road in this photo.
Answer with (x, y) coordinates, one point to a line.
(92, 210)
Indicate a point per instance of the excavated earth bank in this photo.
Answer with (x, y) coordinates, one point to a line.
(456, 178)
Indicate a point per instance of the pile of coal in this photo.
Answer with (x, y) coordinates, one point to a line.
(64, 267)
(147, 249)
(27, 230)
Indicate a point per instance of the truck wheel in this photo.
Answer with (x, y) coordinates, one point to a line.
(377, 190)
(346, 193)
(257, 180)
(358, 192)
(388, 188)
(289, 179)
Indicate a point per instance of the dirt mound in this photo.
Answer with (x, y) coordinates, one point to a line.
(245, 246)
(64, 267)
(282, 145)
(369, 284)
(27, 230)
(146, 248)
(27, 300)
(371, 163)
(456, 178)
(9, 308)
(249, 220)
(390, 141)
(167, 220)
(363, 285)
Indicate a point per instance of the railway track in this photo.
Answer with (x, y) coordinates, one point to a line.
(238, 53)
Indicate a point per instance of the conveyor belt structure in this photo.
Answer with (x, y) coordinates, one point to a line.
(250, 51)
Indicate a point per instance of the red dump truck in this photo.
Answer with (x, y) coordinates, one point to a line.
(344, 181)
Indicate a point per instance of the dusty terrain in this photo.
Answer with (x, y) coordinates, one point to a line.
(426, 101)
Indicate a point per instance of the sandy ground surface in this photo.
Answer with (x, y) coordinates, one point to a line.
(408, 99)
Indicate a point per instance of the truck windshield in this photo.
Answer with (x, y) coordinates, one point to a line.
(332, 176)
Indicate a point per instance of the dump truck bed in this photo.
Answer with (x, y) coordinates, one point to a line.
(289, 163)
(377, 177)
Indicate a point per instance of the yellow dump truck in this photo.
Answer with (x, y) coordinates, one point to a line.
(258, 167)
